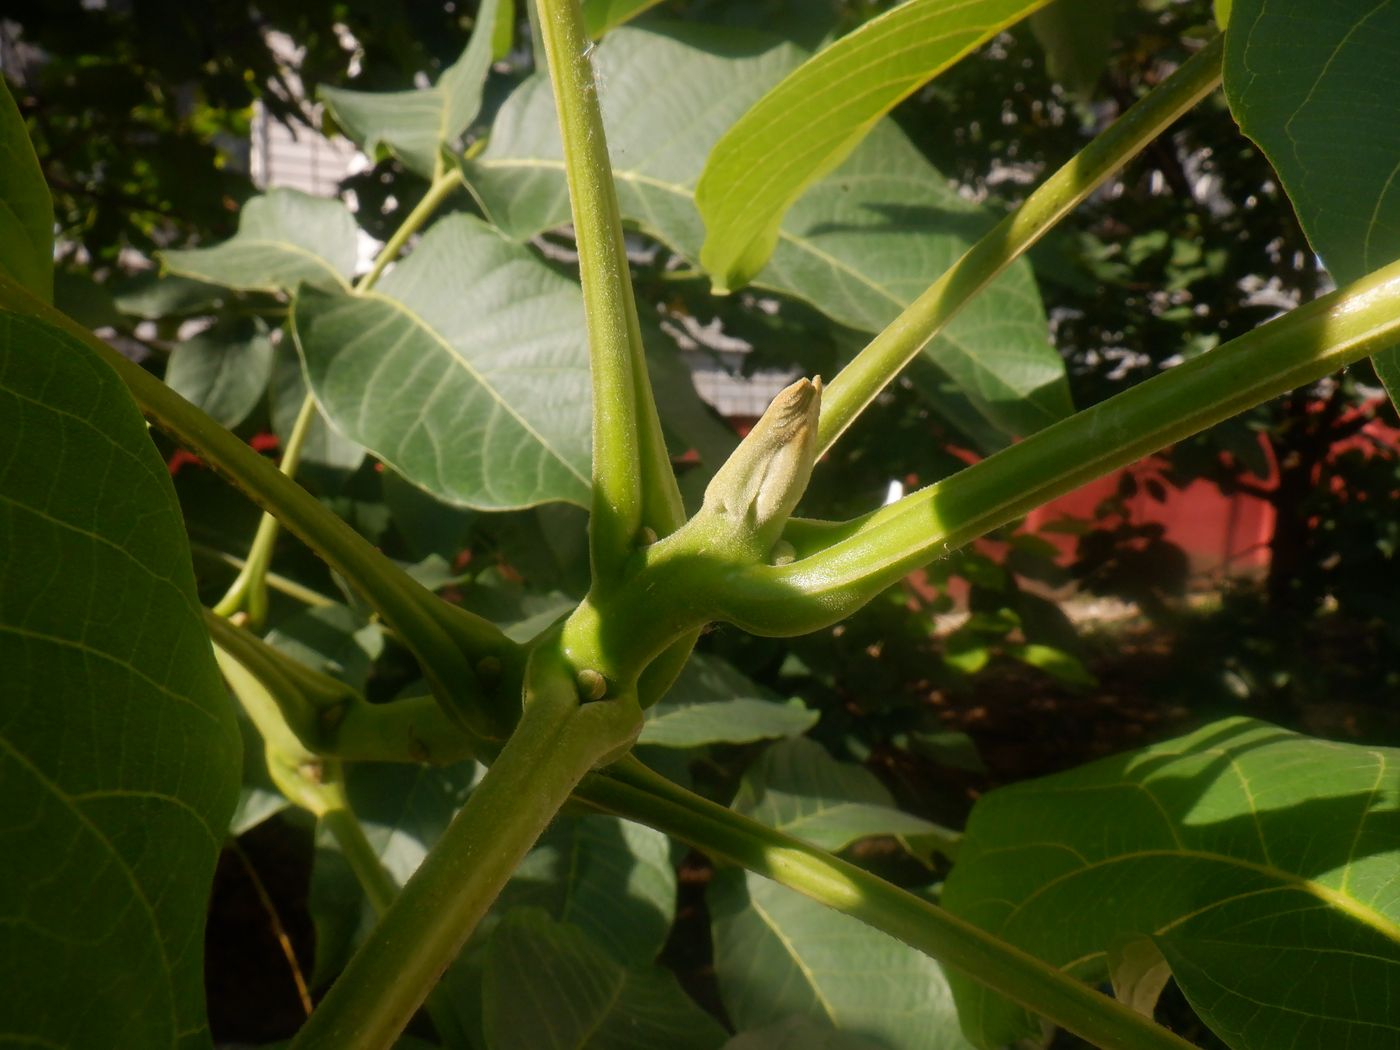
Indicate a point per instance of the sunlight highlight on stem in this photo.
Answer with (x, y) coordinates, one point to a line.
(869, 554)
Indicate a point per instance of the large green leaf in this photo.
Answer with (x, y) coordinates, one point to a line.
(810, 123)
(797, 787)
(713, 703)
(223, 370)
(1263, 866)
(859, 247)
(1317, 86)
(417, 125)
(466, 370)
(548, 987)
(284, 238)
(26, 209)
(119, 753)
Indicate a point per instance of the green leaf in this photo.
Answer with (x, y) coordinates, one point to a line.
(602, 16)
(417, 125)
(224, 370)
(612, 879)
(1263, 865)
(1077, 36)
(324, 445)
(153, 296)
(778, 953)
(427, 525)
(284, 238)
(713, 703)
(855, 248)
(548, 987)
(26, 209)
(466, 370)
(798, 788)
(1317, 86)
(798, 1033)
(807, 125)
(333, 640)
(119, 753)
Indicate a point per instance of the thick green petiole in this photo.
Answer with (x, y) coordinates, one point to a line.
(631, 790)
(633, 484)
(559, 740)
(864, 557)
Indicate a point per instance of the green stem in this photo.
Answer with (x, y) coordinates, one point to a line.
(438, 634)
(249, 588)
(307, 778)
(630, 789)
(633, 484)
(291, 588)
(380, 889)
(874, 367)
(869, 554)
(444, 182)
(556, 744)
(331, 720)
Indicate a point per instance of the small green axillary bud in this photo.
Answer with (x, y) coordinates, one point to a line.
(646, 537)
(783, 553)
(758, 487)
(591, 685)
(488, 669)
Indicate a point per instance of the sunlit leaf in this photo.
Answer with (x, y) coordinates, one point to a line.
(797, 787)
(808, 124)
(713, 703)
(1264, 866)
